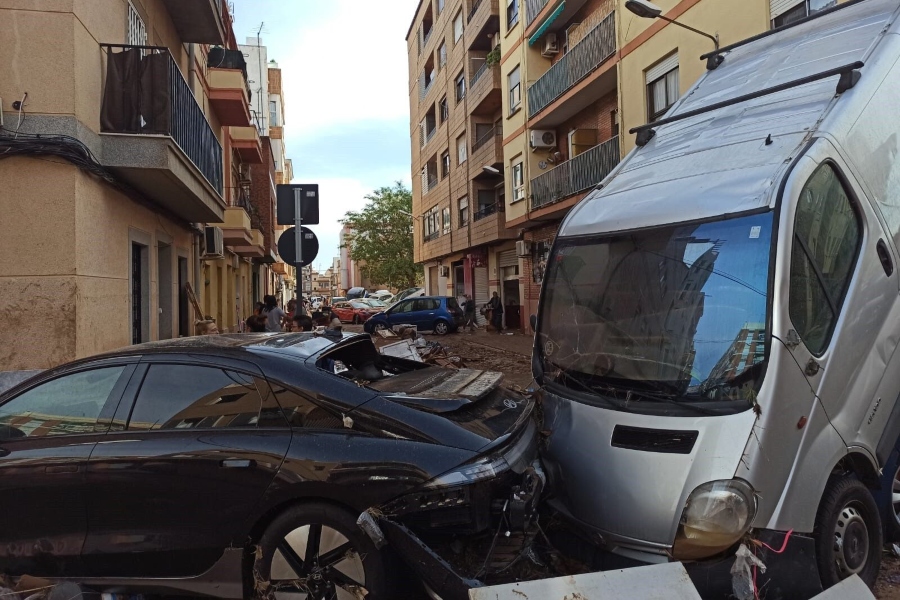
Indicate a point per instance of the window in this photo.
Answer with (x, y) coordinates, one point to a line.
(137, 32)
(194, 397)
(518, 181)
(826, 244)
(457, 27)
(444, 109)
(431, 224)
(402, 307)
(515, 90)
(614, 123)
(273, 113)
(445, 164)
(425, 304)
(446, 219)
(440, 6)
(461, 149)
(796, 10)
(512, 13)
(442, 54)
(662, 87)
(68, 405)
(460, 87)
(463, 211)
(300, 411)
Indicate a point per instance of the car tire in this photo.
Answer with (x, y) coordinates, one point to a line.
(356, 565)
(380, 327)
(441, 328)
(848, 533)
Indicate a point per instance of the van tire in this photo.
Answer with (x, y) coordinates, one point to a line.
(848, 533)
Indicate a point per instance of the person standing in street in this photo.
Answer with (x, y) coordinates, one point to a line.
(274, 315)
(496, 307)
(469, 313)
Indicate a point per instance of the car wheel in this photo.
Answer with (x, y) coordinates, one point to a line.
(848, 533)
(441, 328)
(380, 327)
(316, 551)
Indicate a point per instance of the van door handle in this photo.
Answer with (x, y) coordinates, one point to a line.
(237, 463)
(885, 257)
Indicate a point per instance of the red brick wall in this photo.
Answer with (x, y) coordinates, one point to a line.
(531, 289)
(261, 195)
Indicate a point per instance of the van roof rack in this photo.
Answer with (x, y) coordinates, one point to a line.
(714, 59)
(849, 77)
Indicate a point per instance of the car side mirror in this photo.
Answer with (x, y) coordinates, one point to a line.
(533, 321)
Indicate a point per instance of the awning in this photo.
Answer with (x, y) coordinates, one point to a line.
(546, 24)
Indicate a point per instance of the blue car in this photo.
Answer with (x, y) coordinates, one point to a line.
(440, 314)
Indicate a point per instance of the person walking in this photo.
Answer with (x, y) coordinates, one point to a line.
(469, 313)
(274, 315)
(496, 306)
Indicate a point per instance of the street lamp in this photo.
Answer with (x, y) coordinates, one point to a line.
(648, 10)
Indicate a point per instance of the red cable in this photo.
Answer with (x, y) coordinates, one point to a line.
(787, 536)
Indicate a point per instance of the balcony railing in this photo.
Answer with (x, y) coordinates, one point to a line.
(485, 211)
(427, 37)
(241, 199)
(425, 88)
(489, 136)
(432, 236)
(429, 136)
(222, 58)
(146, 94)
(576, 175)
(532, 9)
(475, 7)
(481, 71)
(430, 184)
(598, 45)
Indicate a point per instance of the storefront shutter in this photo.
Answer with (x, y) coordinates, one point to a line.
(481, 292)
(507, 258)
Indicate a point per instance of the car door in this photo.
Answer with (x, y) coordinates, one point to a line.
(425, 312)
(47, 433)
(400, 314)
(173, 487)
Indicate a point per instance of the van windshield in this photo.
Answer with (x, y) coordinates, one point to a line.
(667, 315)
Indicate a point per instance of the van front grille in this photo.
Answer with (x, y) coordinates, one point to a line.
(666, 441)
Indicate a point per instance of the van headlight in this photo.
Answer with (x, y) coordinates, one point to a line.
(717, 514)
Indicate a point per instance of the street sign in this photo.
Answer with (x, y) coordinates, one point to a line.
(287, 246)
(286, 194)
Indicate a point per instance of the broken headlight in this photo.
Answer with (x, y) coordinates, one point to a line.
(717, 515)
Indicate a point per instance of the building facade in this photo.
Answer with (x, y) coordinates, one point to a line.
(576, 76)
(147, 146)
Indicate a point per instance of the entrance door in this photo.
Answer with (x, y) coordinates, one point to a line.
(433, 281)
(164, 291)
(139, 299)
(183, 309)
(481, 293)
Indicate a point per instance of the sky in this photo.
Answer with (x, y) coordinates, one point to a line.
(346, 87)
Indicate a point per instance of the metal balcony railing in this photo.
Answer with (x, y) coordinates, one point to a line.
(429, 184)
(485, 211)
(576, 175)
(222, 58)
(430, 135)
(481, 71)
(146, 94)
(241, 199)
(487, 137)
(432, 236)
(427, 37)
(533, 9)
(475, 6)
(598, 45)
(425, 88)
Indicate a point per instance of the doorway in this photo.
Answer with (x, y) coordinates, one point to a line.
(140, 296)
(183, 309)
(164, 291)
(511, 302)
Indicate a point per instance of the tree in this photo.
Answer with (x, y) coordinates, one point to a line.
(380, 237)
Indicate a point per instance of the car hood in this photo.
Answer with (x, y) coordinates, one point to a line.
(464, 408)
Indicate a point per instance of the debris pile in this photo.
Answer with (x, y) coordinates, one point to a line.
(419, 349)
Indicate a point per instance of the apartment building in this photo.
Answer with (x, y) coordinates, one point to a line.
(457, 158)
(576, 76)
(146, 146)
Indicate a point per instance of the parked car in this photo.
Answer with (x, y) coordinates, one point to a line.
(718, 327)
(440, 314)
(209, 464)
(356, 293)
(354, 311)
(337, 299)
(409, 293)
(315, 302)
(374, 303)
(383, 295)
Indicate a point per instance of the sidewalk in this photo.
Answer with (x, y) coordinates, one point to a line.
(518, 343)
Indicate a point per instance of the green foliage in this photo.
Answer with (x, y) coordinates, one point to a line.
(493, 57)
(381, 237)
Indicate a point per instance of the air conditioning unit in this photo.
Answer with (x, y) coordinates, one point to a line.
(551, 45)
(443, 271)
(523, 248)
(543, 138)
(215, 244)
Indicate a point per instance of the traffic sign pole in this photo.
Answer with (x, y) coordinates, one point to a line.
(298, 233)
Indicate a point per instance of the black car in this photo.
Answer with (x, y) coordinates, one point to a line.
(236, 465)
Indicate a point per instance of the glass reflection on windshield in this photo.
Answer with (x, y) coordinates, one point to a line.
(679, 310)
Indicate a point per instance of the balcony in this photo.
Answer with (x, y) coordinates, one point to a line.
(532, 9)
(236, 228)
(425, 87)
(197, 21)
(598, 45)
(245, 140)
(489, 227)
(156, 137)
(483, 20)
(485, 211)
(484, 90)
(576, 175)
(254, 249)
(487, 150)
(229, 92)
(429, 184)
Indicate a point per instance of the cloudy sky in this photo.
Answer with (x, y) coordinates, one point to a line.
(344, 68)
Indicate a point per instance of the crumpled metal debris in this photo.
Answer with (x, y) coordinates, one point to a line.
(742, 573)
(367, 522)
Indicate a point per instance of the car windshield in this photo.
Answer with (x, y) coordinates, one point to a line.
(360, 304)
(674, 313)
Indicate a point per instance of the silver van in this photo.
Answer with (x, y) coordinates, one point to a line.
(718, 327)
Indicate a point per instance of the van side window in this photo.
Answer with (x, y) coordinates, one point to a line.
(827, 234)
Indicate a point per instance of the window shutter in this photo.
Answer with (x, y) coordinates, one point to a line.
(661, 68)
(779, 7)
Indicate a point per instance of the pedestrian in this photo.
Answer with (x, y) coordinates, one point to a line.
(291, 309)
(256, 323)
(206, 327)
(301, 323)
(274, 315)
(469, 312)
(496, 306)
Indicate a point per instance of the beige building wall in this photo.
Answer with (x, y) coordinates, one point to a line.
(514, 53)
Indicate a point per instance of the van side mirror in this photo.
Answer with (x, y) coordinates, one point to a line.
(533, 321)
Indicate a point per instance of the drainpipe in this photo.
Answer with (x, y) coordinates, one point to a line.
(192, 76)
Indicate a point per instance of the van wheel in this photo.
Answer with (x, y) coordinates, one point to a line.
(848, 533)
(316, 551)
